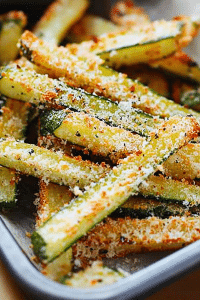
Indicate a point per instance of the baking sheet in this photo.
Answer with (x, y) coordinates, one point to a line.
(149, 270)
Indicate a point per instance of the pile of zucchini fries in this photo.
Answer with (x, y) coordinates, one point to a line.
(118, 163)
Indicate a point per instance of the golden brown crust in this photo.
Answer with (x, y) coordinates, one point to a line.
(126, 13)
(119, 237)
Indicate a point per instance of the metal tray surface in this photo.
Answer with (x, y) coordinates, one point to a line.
(150, 271)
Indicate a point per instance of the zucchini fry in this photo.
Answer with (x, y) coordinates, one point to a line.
(29, 86)
(96, 275)
(140, 45)
(171, 190)
(90, 27)
(54, 196)
(59, 62)
(180, 64)
(58, 18)
(182, 199)
(90, 133)
(118, 49)
(191, 98)
(51, 198)
(39, 162)
(140, 208)
(180, 165)
(73, 221)
(12, 25)
(117, 238)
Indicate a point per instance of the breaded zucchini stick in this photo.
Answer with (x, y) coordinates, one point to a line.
(58, 18)
(117, 238)
(90, 27)
(12, 25)
(59, 62)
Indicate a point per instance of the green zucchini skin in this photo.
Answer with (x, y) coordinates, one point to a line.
(140, 208)
(108, 111)
(39, 245)
(83, 213)
(50, 120)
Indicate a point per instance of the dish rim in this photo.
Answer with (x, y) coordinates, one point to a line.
(138, 284)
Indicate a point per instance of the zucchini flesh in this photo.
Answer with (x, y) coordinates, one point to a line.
(92, 76)
(59, 267)
(171, 190)
(93, 276)
(28, 86)
(89, 132)
(65, 227)
(184, 164)
(142, 53)
(39, 162)
(58, 18)
(12, 25)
